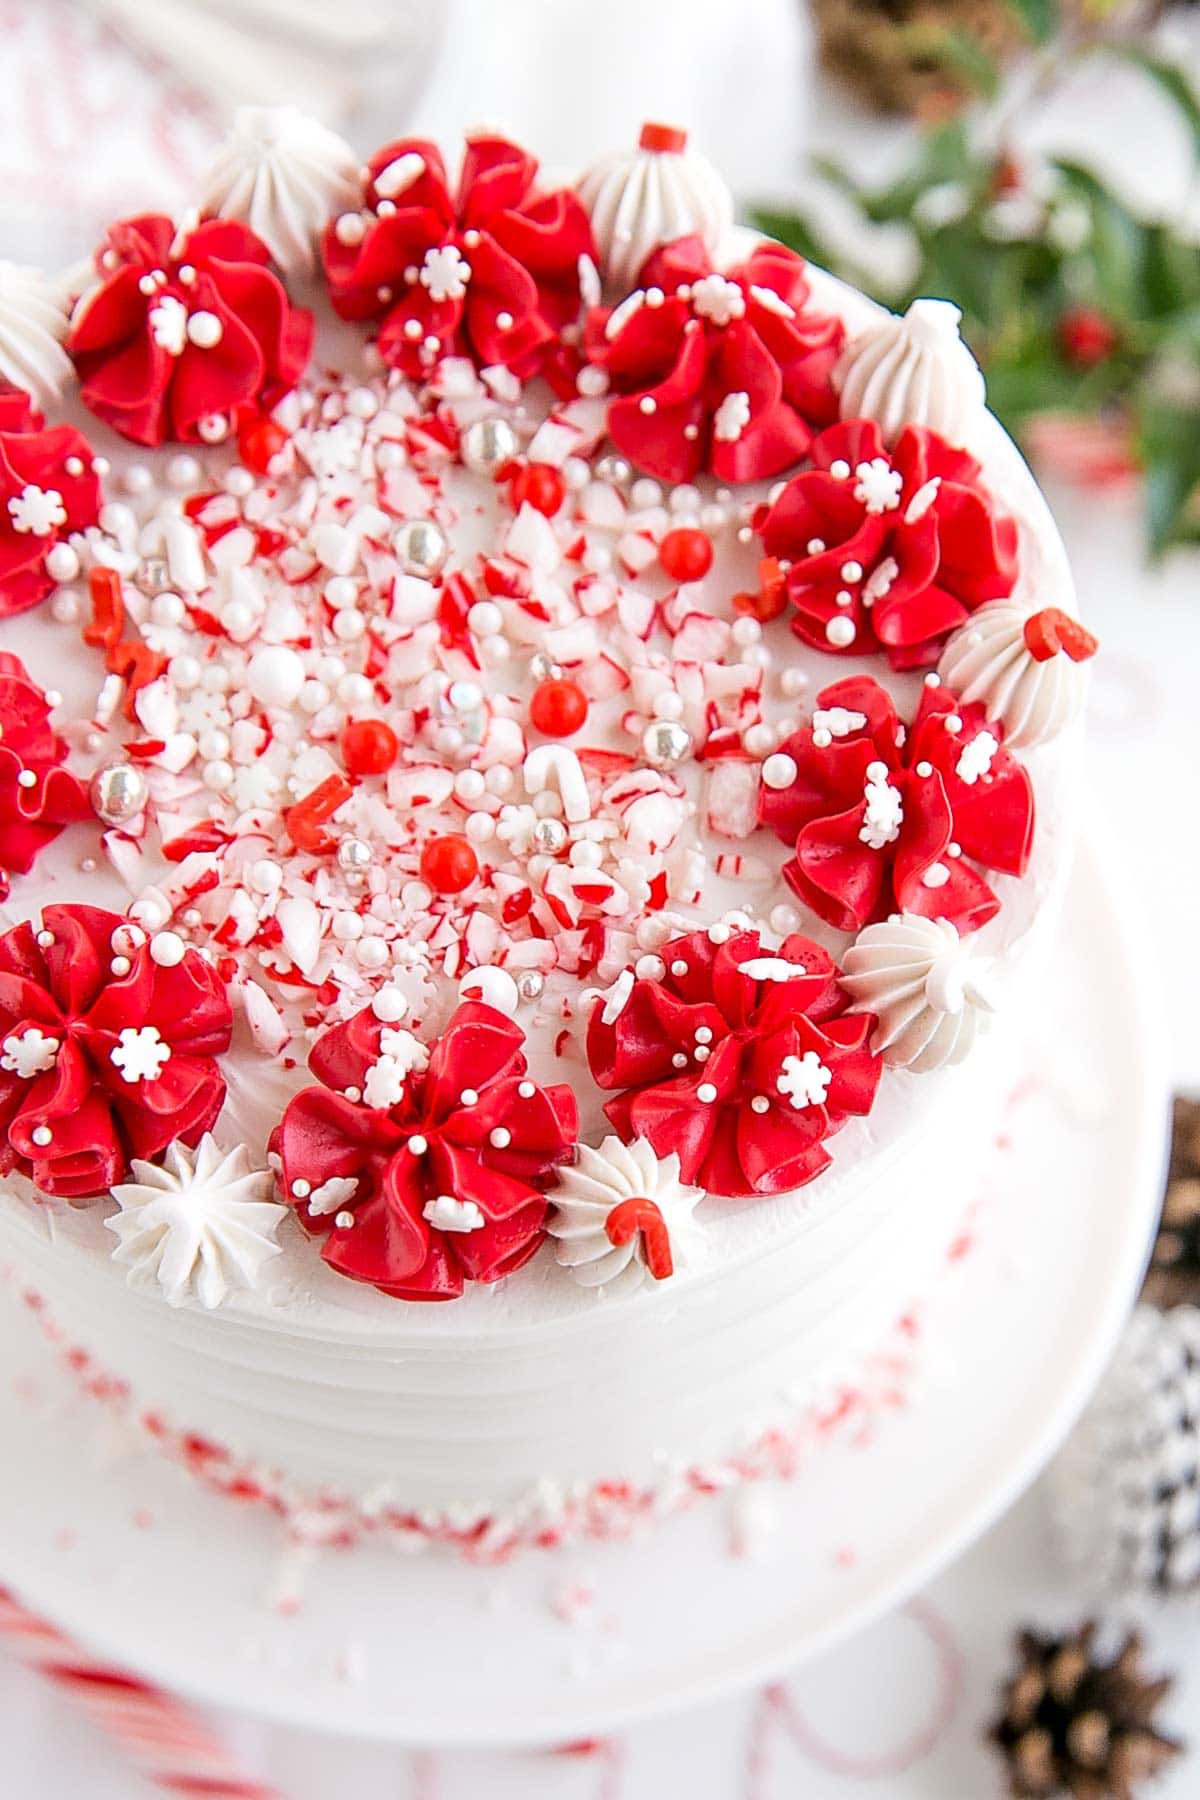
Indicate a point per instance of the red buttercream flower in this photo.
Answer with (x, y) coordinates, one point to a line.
(889, 549)
(743, 1061)
(726, 372)
(185, 329)
(886, 821)
(37, 795)
(439, 1163)
(106, 1049)
(48, 489)
(490, 271)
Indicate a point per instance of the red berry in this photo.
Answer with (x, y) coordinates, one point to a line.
(1086, 336)
(369, 746)
(558, 708)
(538, 485)
(260, 442)
(449, 864)
(686, 554)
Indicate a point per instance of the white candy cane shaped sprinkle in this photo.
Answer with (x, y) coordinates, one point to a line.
(171, 1746)
(553, 766)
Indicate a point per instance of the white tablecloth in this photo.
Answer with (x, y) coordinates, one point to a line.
(87, 131)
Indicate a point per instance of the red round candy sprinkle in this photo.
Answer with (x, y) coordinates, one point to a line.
(449, 864)
(1086, 336)
(260, 442)
(662, 137)
(369, 746)
(558, 708)
(538, 485)
(686, 554)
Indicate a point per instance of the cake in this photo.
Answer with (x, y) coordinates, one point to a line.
(539, 755)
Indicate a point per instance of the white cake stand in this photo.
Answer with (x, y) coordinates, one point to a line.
(129, 1554)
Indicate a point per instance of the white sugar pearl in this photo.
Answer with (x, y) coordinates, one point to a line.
(361, 403)
(217, 775)
(389, 1005)
(792, 683)
(485, 618)
(495, 987)
(341, 591)
(372, 953)
(840, 632)
(137, 479)
(500, 780)
(238, 481)
(65, 607)
(275, 675)
(784, 919)
(205, 330)
(779, 771)
(347, 927)
(185, 673)
(470, 785)
(646, 493)
(265, 877)
(480, 827)
(183, 472)
(167, 949)
(313, 696)
(62, 564)
(354, 690)
(213, 743)
(349, 626)
(746, 631)
(760, 739)
(168, 609)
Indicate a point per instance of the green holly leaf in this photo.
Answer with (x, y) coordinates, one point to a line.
(1039, 18)
(1169, 443)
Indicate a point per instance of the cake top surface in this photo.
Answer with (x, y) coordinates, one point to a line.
(563, 748)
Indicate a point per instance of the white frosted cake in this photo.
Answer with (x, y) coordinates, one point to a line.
(530, 829)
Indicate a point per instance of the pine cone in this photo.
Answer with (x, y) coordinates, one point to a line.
(893, 53)
(1125, 1489)
(1174, 1274)
(1075, 1726)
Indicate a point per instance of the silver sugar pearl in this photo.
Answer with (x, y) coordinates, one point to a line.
(549, 836)
(614, 469)
(487, 445)
(665, 742)
(118, 793)
(543, 667)
(153, 576)
(421, 547)
(531, 984)
(354, 857)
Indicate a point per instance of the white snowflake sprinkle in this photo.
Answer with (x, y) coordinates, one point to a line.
(877, 485)
(37, 511)
(33, 1053)
(718, 300)
(332, 1195)
(408, 1053)
(838, 721)
(445, 272)
(447, 1213)
(383, 1085)
(804, 1080)
(771, 968)
(140, 1053)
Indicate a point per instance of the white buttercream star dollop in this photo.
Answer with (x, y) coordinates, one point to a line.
(590, 1191)
(199, 1226)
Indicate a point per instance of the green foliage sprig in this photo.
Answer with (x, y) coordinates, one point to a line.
(1073, 304)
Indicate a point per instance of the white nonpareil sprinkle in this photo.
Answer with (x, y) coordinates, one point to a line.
(804, 1080)
(884, 809)
(732, 417)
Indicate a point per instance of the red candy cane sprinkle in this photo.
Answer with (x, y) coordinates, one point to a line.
(631, 1216)
(1051, 630)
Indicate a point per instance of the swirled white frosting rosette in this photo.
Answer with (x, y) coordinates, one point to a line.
(33, 325)
(622, 1216)
(283, 175)
(924, 986)
(913, 370)
(642, 199)
(1026, 669)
